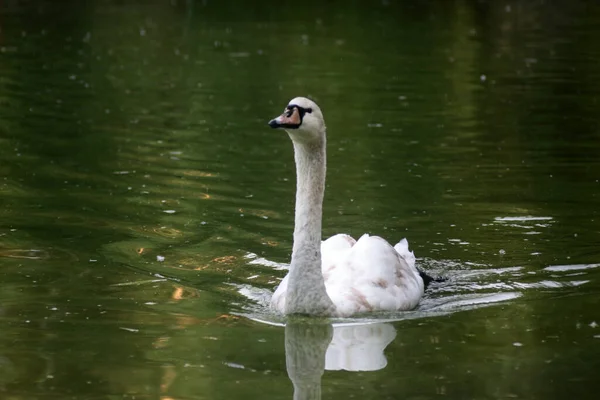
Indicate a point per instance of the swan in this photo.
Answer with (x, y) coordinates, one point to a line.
(340, 276)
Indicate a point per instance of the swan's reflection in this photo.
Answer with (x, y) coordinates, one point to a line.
(311, 347)
(359, 347)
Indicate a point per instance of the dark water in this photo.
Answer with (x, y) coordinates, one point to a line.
(144, 199)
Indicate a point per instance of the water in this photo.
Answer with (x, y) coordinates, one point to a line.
(146, 203)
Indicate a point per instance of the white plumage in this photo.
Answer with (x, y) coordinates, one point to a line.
(339, 276)
(364, 276)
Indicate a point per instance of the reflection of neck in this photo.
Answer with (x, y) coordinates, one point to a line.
(308, 390)
(306, 288)
(305, 347)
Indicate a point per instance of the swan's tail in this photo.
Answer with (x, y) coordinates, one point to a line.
(402, 248)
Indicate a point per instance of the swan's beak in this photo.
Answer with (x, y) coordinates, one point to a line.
(287, 120)
(275, 122)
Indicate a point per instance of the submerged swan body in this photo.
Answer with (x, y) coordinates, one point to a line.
(339, 276)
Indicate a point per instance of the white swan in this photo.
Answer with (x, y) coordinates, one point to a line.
(340, 276)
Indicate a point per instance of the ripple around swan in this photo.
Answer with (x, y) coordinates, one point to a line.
(464, 290)
(256, 260)
(522, 218)
(572, 267)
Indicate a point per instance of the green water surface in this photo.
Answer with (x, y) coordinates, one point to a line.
(147, 209)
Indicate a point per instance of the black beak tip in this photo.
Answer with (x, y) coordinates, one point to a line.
(273, 123)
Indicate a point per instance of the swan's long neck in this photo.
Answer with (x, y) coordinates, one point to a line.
(306, 287)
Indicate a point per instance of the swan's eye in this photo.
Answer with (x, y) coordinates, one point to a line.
(290, 109)
(291, 118)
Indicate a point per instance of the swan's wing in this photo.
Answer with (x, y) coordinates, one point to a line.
(365, 275)
(333, 250)
(371, 276)
(278, 298)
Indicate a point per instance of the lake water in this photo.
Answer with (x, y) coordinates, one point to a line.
(147, 208)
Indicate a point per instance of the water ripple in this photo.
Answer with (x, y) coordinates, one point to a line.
(465, 288)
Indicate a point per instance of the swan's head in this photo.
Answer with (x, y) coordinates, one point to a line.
(302, 119)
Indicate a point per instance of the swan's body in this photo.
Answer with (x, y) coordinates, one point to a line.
(340, 276)
(363, 276)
